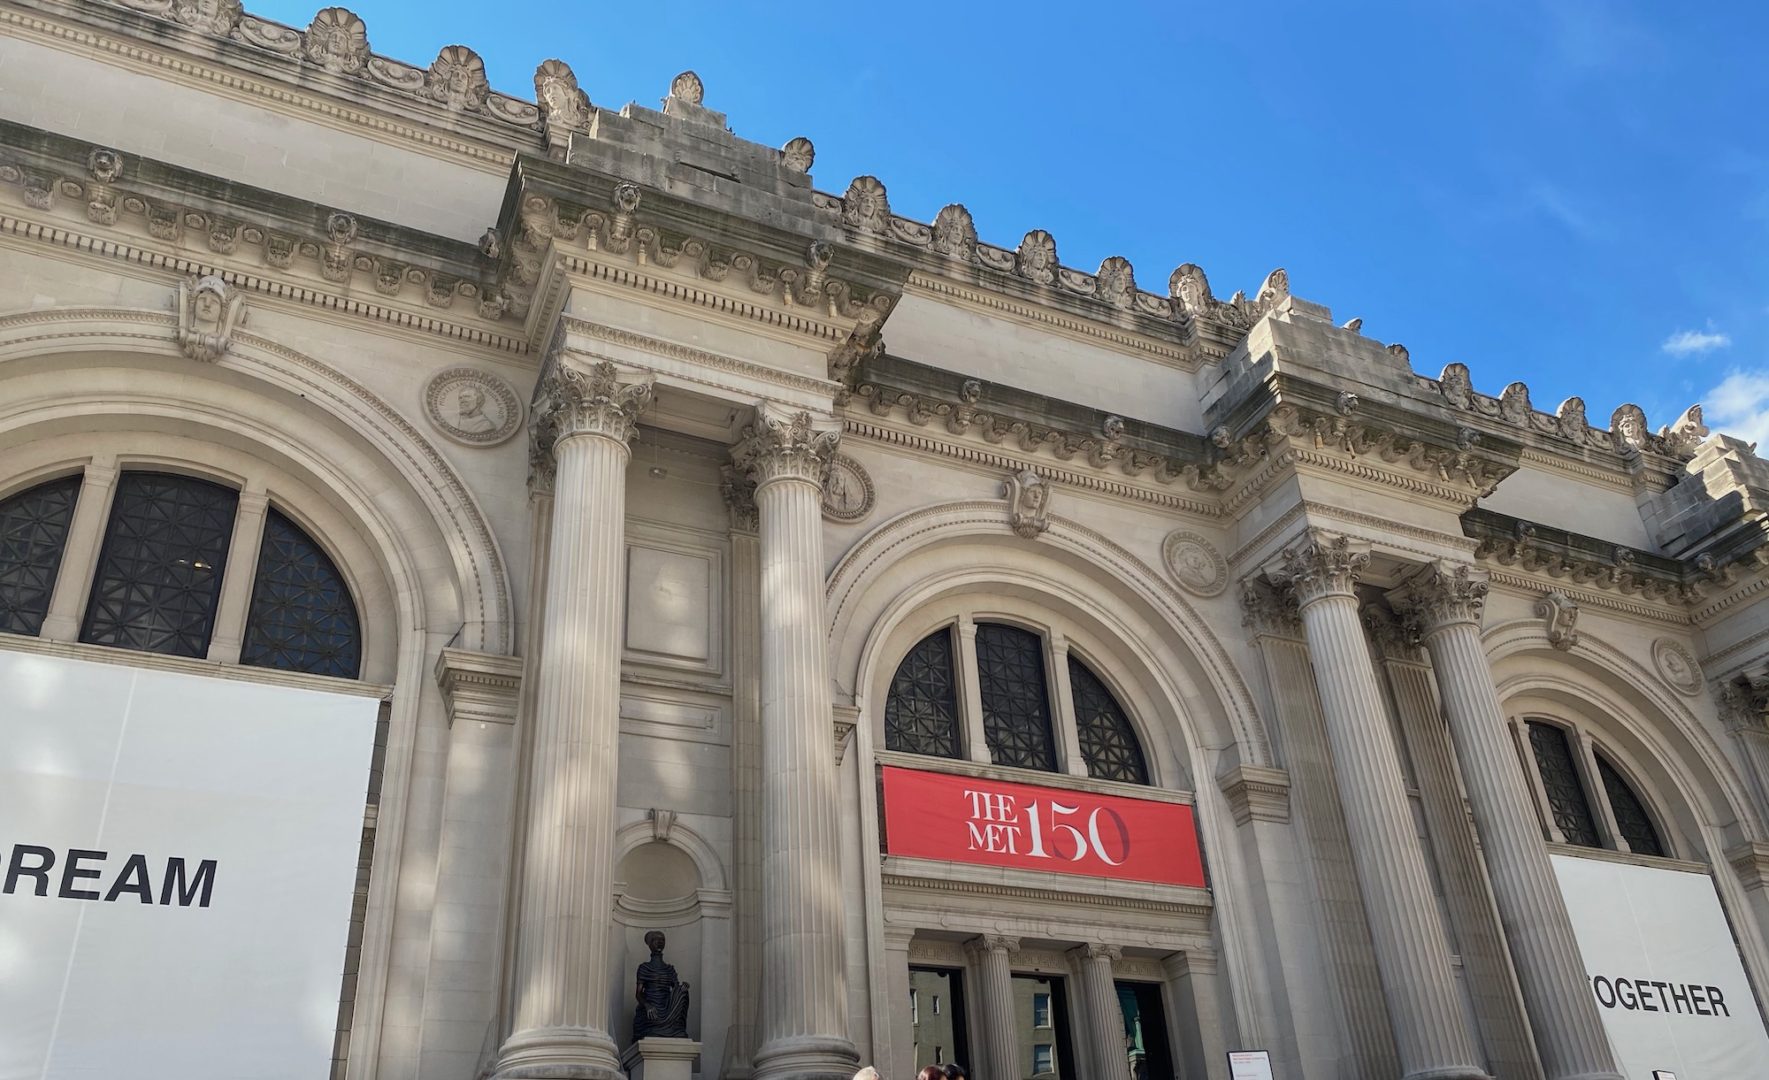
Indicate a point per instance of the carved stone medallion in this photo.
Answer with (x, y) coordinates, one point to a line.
(1195, 563)
(847, 494)
(1677, 667)
(472, 407)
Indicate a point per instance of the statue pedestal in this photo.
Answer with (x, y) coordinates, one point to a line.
(661, 1059)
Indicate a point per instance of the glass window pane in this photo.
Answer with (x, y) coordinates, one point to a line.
(1108, 743)
(1042, 1022)
(939, 1031)
(159, 572)
(1146, 1050)
(302, 617)
(1631, 818)
(921, 711)
(33, 534)
(1016, 702)
(1566, 792)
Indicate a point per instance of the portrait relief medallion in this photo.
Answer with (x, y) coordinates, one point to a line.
(847, 493)
(472, 407)
(1195, 564)
(1677, 666)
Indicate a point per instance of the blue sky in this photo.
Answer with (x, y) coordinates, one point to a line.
(1574, 193)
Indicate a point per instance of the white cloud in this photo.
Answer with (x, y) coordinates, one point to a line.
(1691, 342)
(1739, 406)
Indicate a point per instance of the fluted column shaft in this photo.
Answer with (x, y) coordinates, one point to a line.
(1446, 602)
(1431, 1030)
(1001, 1035)
(1105, 1019)
(804, 961)
(559, 981)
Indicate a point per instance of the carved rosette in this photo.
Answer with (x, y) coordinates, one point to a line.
(783, 446)
(1321, 564)
(593, 401)
(1442, 594)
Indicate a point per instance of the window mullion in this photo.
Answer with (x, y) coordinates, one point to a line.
(79, 562)
(236, 584)
(1597, 795)
(976, 742)
(1062, 700)
(1526, 756)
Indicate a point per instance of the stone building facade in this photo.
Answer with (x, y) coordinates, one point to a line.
(666, 498)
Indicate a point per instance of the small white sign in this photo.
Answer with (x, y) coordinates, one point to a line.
(1249, 1065)
(177, 858)
(1663, 968)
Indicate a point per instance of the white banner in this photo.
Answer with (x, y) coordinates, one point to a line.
(1663, 967)
(177, 857)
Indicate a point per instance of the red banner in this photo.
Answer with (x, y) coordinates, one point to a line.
(932, 815)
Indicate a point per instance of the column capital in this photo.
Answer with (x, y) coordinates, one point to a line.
(1267, 608)
(1191, 962)
(739, 493)
(784, 445)
(1441, 594)
(993, 943)
(575, 400)
(541, 468)
(1320, 564)
(1095, 950)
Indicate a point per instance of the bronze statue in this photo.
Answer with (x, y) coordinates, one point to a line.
(663, 999)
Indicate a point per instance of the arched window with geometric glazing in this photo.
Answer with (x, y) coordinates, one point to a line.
(1585, 796)
(1632, 821)
(1010, 710)
(1108, 742)
(33, 532)
(156, 584)
(921, 710)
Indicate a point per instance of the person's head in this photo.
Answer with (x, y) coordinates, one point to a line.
(931, 1072)
(956, 1072)
(868, 1073)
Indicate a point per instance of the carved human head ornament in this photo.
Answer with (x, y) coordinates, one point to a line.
(338, 41)
(866, 205)
(1191, 288)
(955, 234)
(1036, 259)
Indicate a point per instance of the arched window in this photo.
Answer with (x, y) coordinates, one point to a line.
(1108, 743)
(1586, 797)
(921, 712)
(156, 586)
(33, 532)
(1016, 699)
(1015, 719)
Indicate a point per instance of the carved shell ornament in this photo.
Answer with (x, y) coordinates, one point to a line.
(848, 494)
(1116, 282)
(1677, 666)
(798, 155)
(1036, 259)
(866, 206)
(1195, 563)
(338, 41)
(472, 407)
(688, 88)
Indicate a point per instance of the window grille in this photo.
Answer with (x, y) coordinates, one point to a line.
(1560, 777)
(1016, 701)
(159, 571)
(1631, 818)
(33, 534)
(921, 711)
(301, 617)
(1108, 743)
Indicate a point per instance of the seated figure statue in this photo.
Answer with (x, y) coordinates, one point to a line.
(663, 999)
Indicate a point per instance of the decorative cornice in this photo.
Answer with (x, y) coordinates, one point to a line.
(1750, 861)
(1185, 357)
(1187, 903)
(479, 686)
(786, 446)
(1554, 558)
(1531, 586)
(1257, 793)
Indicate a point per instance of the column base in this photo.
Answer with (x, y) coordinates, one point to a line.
(1449, 1072)
(807, 1057)
(560, 1053)
(661, 1059)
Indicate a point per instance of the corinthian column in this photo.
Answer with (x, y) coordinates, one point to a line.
(559, 982)
(1105, 1018)
(804, 987)
(1445, 602)
(993, 956)
(1412, 955)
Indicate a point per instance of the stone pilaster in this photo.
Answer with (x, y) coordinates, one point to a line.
(1446, 602)
(1195, 1013)
(804, 1015)
(1406, 931)
(992, 957)
(1742, 709)
(1104, 1025)
(746, 765)
(559, 986)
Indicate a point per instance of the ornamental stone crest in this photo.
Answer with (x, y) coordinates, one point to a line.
(798, 154)
(688, 88)
(1028, 503)
(848, 494)
(1195, 563)
(1036, 259)
(955, 234)
(338, 41)
(472, 407)
(865, 206)
(1627, 429)
(208, 311)
(564, 107)
(217, 17)
(787, 446)
(1116, 282)
(1677, 667)
(457, 79)
(1191, 289)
